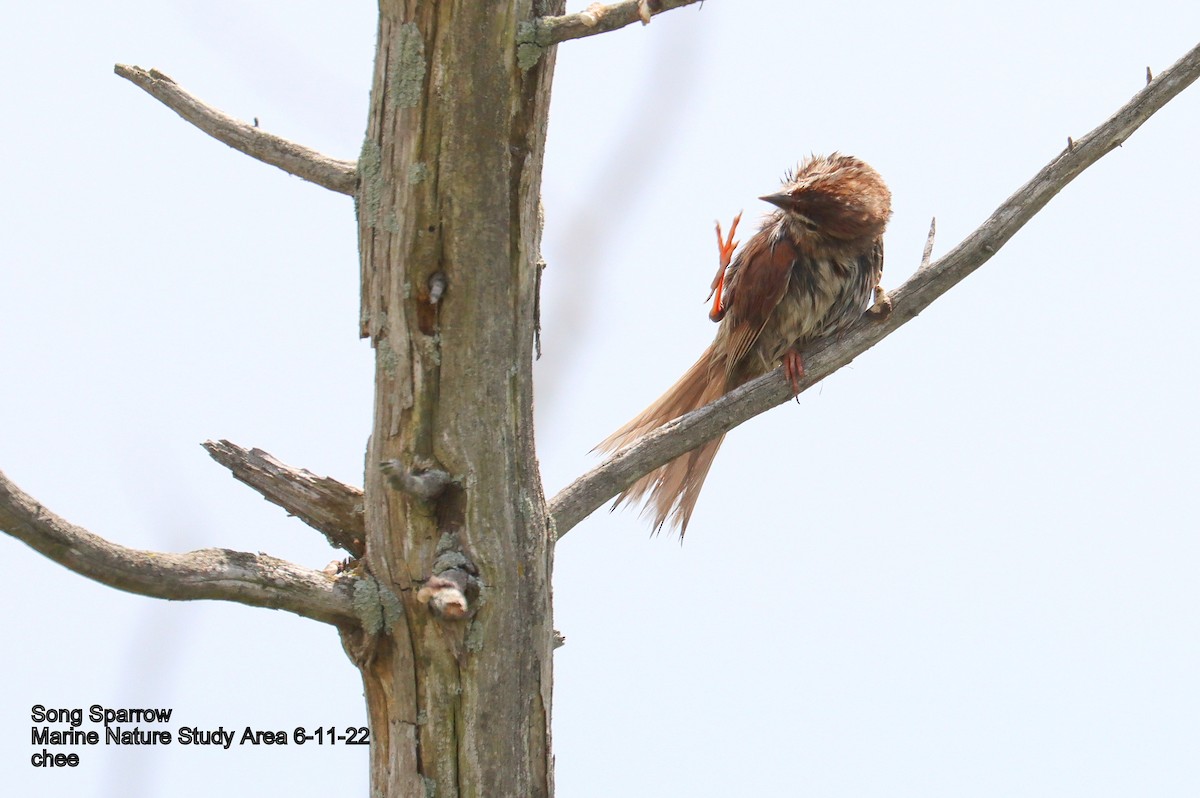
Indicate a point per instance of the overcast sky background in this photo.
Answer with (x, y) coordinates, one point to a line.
(969, 564)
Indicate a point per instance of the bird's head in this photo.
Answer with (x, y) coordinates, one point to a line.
(835, 196)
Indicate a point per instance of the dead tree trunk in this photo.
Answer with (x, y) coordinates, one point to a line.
(449, 240)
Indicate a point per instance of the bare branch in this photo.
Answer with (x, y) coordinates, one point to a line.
(333, 508)
(542, 32)
(584, 495)
(253, 579)
(598, 18)
(331, 173)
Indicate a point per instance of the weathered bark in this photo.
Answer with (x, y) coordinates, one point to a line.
(449, 236)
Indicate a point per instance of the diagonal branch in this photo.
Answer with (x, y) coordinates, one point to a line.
(331, 173)
(542, 32)
(579, 499)
(333, 508)
(254, 579)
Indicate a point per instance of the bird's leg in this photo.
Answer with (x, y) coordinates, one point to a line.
(726, 246)
(793, 368)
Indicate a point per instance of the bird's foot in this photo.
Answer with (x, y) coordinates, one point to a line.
(883, 305)
(793, 369)
(725, 246)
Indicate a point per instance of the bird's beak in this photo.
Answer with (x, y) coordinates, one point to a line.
(784, 201)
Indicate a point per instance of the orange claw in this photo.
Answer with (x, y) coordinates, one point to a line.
(726, 246)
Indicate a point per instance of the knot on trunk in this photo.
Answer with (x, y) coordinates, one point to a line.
(452, 592)
(423, 481)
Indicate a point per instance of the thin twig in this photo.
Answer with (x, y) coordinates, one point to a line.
(927, 254)
(254, 579)
(331, 173)
(333, 508)
(579, 499)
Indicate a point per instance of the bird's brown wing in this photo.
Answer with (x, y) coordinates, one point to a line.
(758, 280)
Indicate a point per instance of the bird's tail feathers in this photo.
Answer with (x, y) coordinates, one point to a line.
(673, 489)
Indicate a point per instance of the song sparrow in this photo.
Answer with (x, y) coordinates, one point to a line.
(809, 272)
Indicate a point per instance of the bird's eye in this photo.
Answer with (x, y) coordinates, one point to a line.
(807, 222)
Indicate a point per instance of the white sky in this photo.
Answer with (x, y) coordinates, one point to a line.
(966, 565)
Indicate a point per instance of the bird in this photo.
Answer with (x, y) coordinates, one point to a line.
(810, 271)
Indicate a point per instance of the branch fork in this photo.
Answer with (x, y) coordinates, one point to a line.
(257, 580)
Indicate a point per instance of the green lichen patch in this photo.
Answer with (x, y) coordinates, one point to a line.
(408, 67)
(393, 610)
(387, 357)
(370, 180)
(367, 606)
(376, 607)
(528, 54)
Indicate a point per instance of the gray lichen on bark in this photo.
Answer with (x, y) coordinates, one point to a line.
(408, 68)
